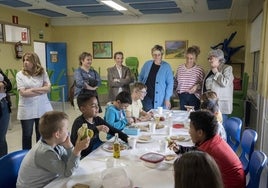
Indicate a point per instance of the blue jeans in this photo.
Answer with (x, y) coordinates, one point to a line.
(4, 121)
(189, 100)
(27, 131)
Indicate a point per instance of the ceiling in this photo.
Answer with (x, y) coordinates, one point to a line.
(76, 12)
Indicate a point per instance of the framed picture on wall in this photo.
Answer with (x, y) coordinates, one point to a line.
(103, 50)
(175, 49)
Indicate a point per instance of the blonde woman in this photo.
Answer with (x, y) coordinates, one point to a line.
(33, 85)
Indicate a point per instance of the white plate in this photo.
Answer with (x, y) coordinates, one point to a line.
(144, 141)
(93, 182)
(144, 123)
(107, 147)
(186, 138)
(171, 161)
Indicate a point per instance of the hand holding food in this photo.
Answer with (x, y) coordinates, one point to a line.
(84, 132)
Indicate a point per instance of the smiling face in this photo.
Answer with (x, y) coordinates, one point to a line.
(190, 59)
(86, 62)
(157, 56)
(91, 108)
(119, 59)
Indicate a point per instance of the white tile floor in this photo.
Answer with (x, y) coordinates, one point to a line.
(14, 134)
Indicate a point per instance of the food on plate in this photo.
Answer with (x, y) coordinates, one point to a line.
(162, 118)
(159, 126)
(170, 157)
(83, 132)
(80, 185)
(178, 138)
(145, 137)
(111, 147)
(143, 128)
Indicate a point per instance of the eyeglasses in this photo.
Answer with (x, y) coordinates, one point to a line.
(143, 92)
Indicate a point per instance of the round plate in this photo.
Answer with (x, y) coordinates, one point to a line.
(143, 140)
(170, 161)
(93, 183)
(180, 138)
(108, 146)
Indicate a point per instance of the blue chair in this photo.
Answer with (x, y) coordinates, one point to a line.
(248, 141)
(233, 127)
(9, 165)
(256, 164)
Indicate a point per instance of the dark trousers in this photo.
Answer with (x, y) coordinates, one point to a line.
(189, 100)
(27, 131)
(4, 121)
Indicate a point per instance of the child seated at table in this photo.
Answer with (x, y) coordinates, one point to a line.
(88, 105)
(209, 101)
(135, 111)
(115, 113)
(53, 155)
(200, 166)
(203, 132)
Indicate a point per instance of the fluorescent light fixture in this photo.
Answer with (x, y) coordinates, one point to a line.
(114, 5)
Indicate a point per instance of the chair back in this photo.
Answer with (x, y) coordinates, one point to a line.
(256, 164)
(248, 141)
(133, 63)
(233, 127)
(9, 165)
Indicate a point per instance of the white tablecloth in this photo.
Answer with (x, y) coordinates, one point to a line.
(92, 166)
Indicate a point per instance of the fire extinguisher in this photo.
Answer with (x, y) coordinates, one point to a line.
(18, 50)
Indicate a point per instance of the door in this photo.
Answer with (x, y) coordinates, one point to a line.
(56, 63)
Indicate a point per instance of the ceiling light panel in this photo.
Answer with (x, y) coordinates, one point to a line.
(162, 11)
(94, 8)
(73, 2)
(46, 12)
(219, 4)
(15, 3)
(160, 5)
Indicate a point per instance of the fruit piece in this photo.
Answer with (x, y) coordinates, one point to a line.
(83, 132)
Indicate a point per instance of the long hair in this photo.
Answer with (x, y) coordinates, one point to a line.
(197, 169)
(37, 67)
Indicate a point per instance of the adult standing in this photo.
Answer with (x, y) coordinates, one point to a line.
(86, 78)
(220, 80)
(119, 77)
(157, 75)
(33, 85)
(5, 86)
(188, 80)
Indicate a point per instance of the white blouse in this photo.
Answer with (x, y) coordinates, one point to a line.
(32, 107)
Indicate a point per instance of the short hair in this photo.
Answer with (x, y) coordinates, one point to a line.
(205, 121)
(82, 98)
(118, 53)
(209, 100)
(139, 86)
(218, 53)
(83, 56)
(193, 50)
(197, 169)
(51, 122)
(158, 48)
(124, 97)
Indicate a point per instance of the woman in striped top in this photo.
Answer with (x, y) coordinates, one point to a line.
(188, 80)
